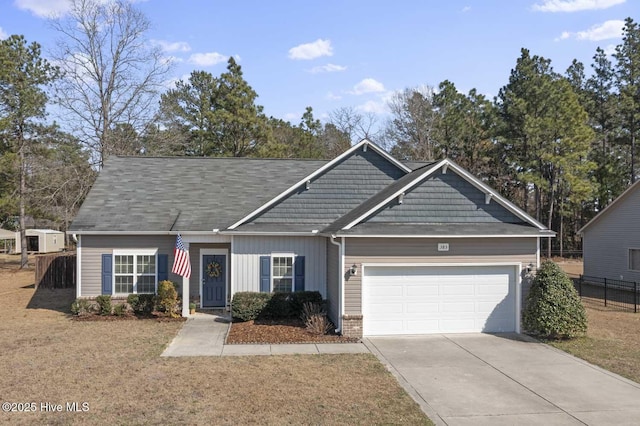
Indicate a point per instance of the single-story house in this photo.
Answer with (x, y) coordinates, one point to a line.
(41, 241)
(611, 240)
(395, 248)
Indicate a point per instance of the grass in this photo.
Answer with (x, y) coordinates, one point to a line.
(612, 341)
(116, 368)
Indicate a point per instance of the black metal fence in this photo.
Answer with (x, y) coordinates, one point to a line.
(612, 293)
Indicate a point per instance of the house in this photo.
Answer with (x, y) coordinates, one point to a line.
(41, 241)
(611, 240)
(395, 248)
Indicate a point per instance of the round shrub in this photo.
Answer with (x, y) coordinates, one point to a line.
(248, 305)
(553, 308)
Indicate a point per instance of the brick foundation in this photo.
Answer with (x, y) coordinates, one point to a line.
(352, 326)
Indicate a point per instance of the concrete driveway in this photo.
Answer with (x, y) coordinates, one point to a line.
(478, 379)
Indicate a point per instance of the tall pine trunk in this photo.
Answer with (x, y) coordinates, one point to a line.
(24, 259)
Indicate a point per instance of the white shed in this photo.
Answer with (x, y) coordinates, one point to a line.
(7, 240)
(41, 241)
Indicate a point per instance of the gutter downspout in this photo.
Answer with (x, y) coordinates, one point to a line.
(340, 280)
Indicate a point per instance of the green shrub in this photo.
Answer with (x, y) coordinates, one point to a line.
(553, 308)
(142, 304)
(120, 310)
(248, 305)
(104, 302)
(167, 299)
(299, 298)
(278, 306)
(80, 307)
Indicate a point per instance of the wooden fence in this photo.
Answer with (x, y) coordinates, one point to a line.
(56, 270)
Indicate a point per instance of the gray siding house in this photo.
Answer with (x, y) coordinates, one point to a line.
(394, 248)
(611, 240)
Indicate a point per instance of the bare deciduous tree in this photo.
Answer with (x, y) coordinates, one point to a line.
(112, 73)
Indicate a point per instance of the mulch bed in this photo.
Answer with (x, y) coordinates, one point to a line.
(279, 331)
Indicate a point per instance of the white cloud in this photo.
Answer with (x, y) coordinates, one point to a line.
(574, 5)
(3, 34)
(333, 97)
(375, 107)
(313, 50)
(368, 85)
(44, 8)
(207, 59)
(292, 116)
(605, 31)
(176, 46)
(466, 9)
(171, 83)
(327, 68)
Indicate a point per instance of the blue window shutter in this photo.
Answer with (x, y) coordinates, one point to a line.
(299, 273)
(107, 274)
(163, 267)
(265, 274)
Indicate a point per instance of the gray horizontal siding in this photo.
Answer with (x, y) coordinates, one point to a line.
(606, 242)
(444, 198)
(247, 251)
(94, 246)
(335, 192)
(424, 250)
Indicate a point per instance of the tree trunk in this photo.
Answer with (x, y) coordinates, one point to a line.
(24, 259)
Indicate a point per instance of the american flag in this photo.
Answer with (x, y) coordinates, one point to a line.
(181, 263)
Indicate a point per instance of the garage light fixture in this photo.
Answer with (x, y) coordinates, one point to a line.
(353, 270)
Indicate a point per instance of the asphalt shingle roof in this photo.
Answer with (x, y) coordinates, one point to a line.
(184, 194)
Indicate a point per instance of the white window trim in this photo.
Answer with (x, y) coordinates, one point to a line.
(629, 259)
(134, 253)
(293, 270)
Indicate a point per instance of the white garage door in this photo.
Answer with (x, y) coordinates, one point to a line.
(438, 299)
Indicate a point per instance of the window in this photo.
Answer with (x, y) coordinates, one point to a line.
(634, 259)
(134, 273)
(282, 275)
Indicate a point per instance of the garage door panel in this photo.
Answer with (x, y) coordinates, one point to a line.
(424, 299)
(422, 290)
(419, 308)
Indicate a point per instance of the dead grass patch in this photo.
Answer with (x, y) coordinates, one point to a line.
(612, 341)
(116, 367)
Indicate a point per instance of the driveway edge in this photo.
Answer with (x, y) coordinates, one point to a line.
(415, 395)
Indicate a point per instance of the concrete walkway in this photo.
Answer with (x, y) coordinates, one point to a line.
(203, 334)
(482, 379)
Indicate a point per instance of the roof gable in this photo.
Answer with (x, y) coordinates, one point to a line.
(443, 198)
(333, 190)
(430, 205)
(616, 204)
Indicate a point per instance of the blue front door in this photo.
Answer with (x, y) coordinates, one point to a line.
(214, 280)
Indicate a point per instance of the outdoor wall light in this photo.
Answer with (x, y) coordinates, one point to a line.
(353, 270)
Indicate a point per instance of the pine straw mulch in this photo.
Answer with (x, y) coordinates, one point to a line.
(279, 331)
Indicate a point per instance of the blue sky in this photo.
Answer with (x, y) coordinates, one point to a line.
(352, 53)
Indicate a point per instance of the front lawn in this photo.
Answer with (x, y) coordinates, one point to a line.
(612, 341)
(115, 367)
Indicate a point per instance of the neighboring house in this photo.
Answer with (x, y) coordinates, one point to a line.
(393, 249)
(611, 240)
(41, 241)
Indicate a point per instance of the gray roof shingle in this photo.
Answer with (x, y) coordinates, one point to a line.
(151, 194)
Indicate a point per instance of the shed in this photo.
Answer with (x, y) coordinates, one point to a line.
(7, 240)
(41, 241)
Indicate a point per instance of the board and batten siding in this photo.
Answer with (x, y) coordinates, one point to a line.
(425, 251)
(333, 281)
(248, 249)
(94, 246)
(606, 242)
